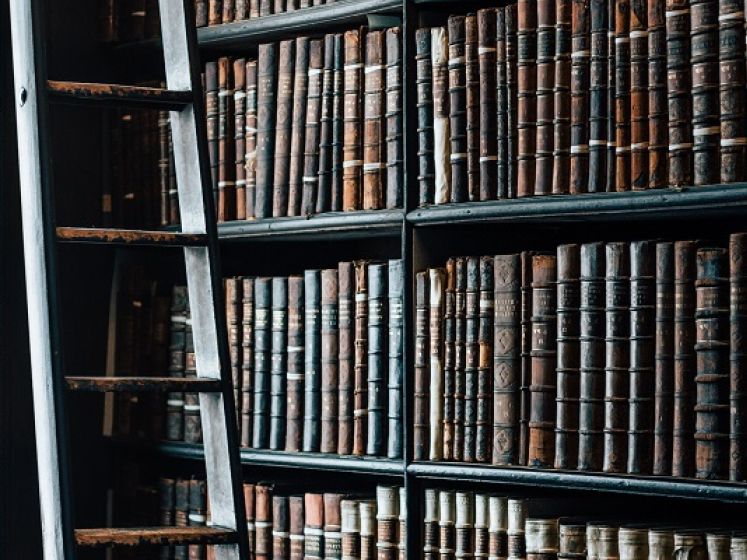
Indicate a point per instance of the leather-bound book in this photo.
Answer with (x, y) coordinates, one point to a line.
(312, 404)
(197, 515)
(568, 332)
(506, 358)
(402, 520)
(164, 156)
(718, 545)
(311, 137)
(166, 488)
(278, 362)
(472, 104)
(295, 166)
(690, 544)
(239, 134)
(430, 525)
(441, 123)
(295, 527)
(329, 356)
(241, 10)
(332, 526)
(678, 93)
(446, 522)
(526, 348)
(368, 529)
(580, 71)
(737, 356)
(517, 516)
(712, 378)
(353, 121)
(482, 519)
(435, 335)
(633, 543)
(192, 420)
(313, 544)
(295, 371)
(387, 522)
(211, 122)
(638, 95)
(543, 362)
(471, 352)
(642, 335)
(226, 144)
(250, 138)
(350, 529)
(424, 96)
(265, 7)
(598, 86)
(449, 321)
(360, 402)
(622, 95)
(377, 289)
(181, 514)
(394, 122)
(704, 54)
(460, 358)
(374, 123)
(660, 544)
(247, 361)
(591, 366)
(484, 428)
(658, 111)
(421, 416)
(253, 9)
(611, 159)
(464, 525)
(683, 449)
(229, 11)
(280, 528)
(267, 73)
(617, 361)
(542, 539)
(337, 125)
(232, 290)
(324, 190)
(215, 12)
(487, 70)
(738, 547)
(545, 95)
(501, 104)
(732, 93)
(345, 363)
(395, 347)
(457, 108)
(562, 97)
(201, 14)
(497, 527)
(527, 96)
(263, 522)
(572, 541)
(512, 100)
(262, 349)
(664, 359)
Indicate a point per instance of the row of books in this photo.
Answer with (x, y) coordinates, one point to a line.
(216, 12)
(615, 357)
(466, 525)
(539, 98)
(181, 503)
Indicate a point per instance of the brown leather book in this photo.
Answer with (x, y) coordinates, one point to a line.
(267, 72)
(421, 416)
(430, 525)
(435, 335)
(712, 349)
(313, 526)
(197, 515)
(501, 102)
(229, 11)
(263, 522)
(441, 112)
(487, 68)
(387, 522)
(239, 132)
(332, 526)
(215, 12)
(660, 543)
(326, 127)
(678, 93)
(164, 163)
(472, 103)
(683, 449)
(737, 356)
(545, 95)
(181, 513)
(446, 522)
(543, 362)
(298, 126)
(526, 347)
(241, 10)
(449, 358)
(353, 112)
(622, 95)
(664, 359)
(527, 96)
(211, 122)
(253, 8)
(394, 122)
(351, 529)
(313, 114)
(280, 528)
(580, 53)
(464, 523)
(296, 525)
(457, 108)
(598, 96)
(329, 357)
(638, 95)
(572, 541)
(568, 332)
(424, 92)
(484, 428)
(512, 100)
(562, 97)
(360, 415)
(201, 13)
(658, 111)
(732, 93)
(247, 360)
(542, 539)
(345, 365)
(506, 358)
(295, 371)
(471, 352)
(250, 155)
(374, 123)
(460, 358)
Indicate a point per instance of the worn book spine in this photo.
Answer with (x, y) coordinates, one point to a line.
(460, 326)
(353, 112)
(402, 521)
(611, 159)
(542, 540)
(464, 523)
(712, 377)
(481, 521)
(738, 547)
(572, 541)
(247, 360)
(598, 87)
(441, 121)
(360, 402)
(683, 450)
(350, 530)
(280, 527)
(639, 95)
(435, 335)
(562, 98)
(250, 142)
(367, 512)
(197, 515)
(592, 359)
(732, 92)
(622, 95)
(471, 352)
(239, 135)
(664, 359)
(690, 544)
(501, 105)
(387, 522)
(545, 96)
(211, 122)
(262, 350)
(335, 201)
(395, 348)
(678, 93)
(483, 432)
(374, 123)
(497, 528)
(737, 356)
(332, 526)
(641, 371)
(512, 100)
(660, 544)
(329, 356)
(192, 420)
(283, 126)
(310, 178)
(295, 370)
(568, 332)
(632, 543)
(278, 362)
(164, 162)
(298, 126)
(449, 357)
(324, 190)
(658, 111)
(446, 525)
(241, 10)
(267, 72)
(312, 361)
(215, 12)
(394, 119)
(486, 122)
(526, 348)
(580, 55)
(296, 523)
(377, 289)
(421, 416)
(424, 95)
(266, 7)
(181, 513)
(345, 363)
(457, 80)
(517, 516)
(263, 522)
(527, 96)
(472, 105)
(229, 11)
(232, 290)
(313, 530)
(506, 358)
(430, 525)
(253, 8)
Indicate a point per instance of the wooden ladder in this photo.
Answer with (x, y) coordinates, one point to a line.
(198, 237)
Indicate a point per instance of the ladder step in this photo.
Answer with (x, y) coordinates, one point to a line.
(154, 536)
(143, 384)
(130, 237)
(120, 95)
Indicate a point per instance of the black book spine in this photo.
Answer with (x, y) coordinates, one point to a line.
(267, 69)
(512, 100)
(262, 349)
(460, 307)
(484, 431)
(458, 108)
(610, 159)
(335, 203)
(395, 347)
(598, 87)
(394, 123)
(312, 361)
(279, 343)
(664, 359)
(501, 104)
(377, 276)
(324, 194)
(738, 356)
(471, 351)
(424, 92)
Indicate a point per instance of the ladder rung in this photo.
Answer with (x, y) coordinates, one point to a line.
(154, 536)
(143, 384)
(130, 237)
(114, 94)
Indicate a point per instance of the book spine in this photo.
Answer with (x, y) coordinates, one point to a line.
(329, 356)
(517, 516)
(421, 415)
(296, 523)
(430, 525)
(280, 527)
(460, 327)
(181, 513)
(737, 356)
(211, 122)
(424, 93)
(226, 142)
(232, 287)
(253, 9)
(239, 130)
(712, 379)
(262, 349)
(229, 11)
(464, 525)
(298, 126)
(324, 194)
(457, 76)
(483, 452)
(351, 529)
(337, 125)
(192, 421)
(449, 358)
(545, 95)
(487, 69)
(241, 10)
(345, 365)
(641, 371)
(598, 86)
(247, 360)
(310, 178)
(441, 122)
(360, 413)
(633, 542)
(352, 135)
(313, 544)
(610, 158)
(435, 335)
(580, 87)
(732, 92)
(542, 539)
(295, 371)
(562, 98)
(658, 111)
(395, 348)
(377, 275)
(689, 543)
(497, 527)
(402, 520)
(312, 365)
(265, 7)
(527, 96)
(660, 544)
(215, 12)
(481, 527)
(278, 362)
(471, 352)
(332, 527)
(250, 155)
(568, 332)
(472, 107)
(263, 522)
(572, 541)
(512, 100)
(387, 522)
(526, 348)
(374, 123)
(678, 93)
(446, 525)
(664, 359)
(166, 491)
(639, 95)
(368, 530)
(394, 119)
(501, 105)
(197, 515)
(267, 71)
(622, 95)
(164, 134)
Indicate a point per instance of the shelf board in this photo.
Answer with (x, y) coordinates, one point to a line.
(691, 202)
(660, 486)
